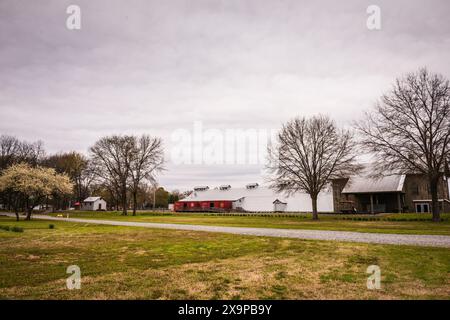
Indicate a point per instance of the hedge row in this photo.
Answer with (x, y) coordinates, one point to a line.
(388, 219)
(257, 215)
(304, 217)
(13, 229)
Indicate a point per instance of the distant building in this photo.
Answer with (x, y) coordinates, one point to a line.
(356, 194)
(93, 204)
(395, 193)
(77, 205)
(252, 198)
(41, 207)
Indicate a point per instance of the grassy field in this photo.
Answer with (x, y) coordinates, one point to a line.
(137, 263)
(400, 223)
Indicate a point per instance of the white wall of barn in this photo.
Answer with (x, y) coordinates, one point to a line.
(299, 202)
(302, 202)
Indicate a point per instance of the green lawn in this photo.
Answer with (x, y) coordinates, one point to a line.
(137, 263)
(401, 222)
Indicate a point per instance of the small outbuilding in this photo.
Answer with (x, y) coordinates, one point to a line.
(94, 204)
(279, 206)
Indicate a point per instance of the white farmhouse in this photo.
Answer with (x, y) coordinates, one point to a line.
(93, 204)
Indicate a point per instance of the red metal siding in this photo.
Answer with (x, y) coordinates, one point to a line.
(203, 205)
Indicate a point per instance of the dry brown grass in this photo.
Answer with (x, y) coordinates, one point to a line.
(134, 263)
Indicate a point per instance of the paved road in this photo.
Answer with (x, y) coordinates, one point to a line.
(382, 238)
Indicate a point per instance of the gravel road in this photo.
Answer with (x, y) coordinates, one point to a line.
(381, 238)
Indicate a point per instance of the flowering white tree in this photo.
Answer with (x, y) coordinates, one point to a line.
(31, 185)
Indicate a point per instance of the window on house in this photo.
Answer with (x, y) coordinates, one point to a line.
(211, 204)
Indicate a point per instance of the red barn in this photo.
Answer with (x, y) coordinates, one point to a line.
(252, 198)
(218, 204)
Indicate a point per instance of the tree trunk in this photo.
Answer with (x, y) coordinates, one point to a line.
(9, 201)
(16, 211)
(29, 211)
(315, 216)
(434, 198)
(124, 202)
(15, 205)
(134, 202)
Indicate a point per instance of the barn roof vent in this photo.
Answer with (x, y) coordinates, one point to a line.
(201, 188)
(252, 186)
(225, 187)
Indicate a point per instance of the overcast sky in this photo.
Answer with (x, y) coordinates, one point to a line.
(158, 66)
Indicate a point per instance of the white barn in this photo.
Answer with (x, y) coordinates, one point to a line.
(93, 204)
(252, 198)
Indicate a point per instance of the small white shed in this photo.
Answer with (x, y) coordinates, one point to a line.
(93, 204)
(279, 206)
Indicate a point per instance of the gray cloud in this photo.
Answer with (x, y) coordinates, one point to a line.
(154, 66)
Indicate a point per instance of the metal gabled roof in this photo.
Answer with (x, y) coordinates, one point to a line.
(365, 184)
(91, 199)
(231, 194)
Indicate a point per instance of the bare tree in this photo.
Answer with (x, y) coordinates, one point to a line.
(9, 149)
(113, 156)
(309, 153)
(31, 153)
(13, 151)
(86, 180)
(409, 129)
(147, 160)
(76, 166)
